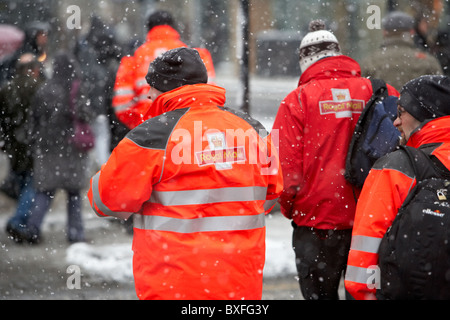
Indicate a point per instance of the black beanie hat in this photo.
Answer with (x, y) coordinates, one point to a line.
(159, 18)
(176, 68)
(426, 97)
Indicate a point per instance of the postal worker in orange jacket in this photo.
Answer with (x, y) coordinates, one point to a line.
(197, 179)
(424, 121)
(130, 100)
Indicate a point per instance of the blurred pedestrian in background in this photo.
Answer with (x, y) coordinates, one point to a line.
(16, 131)
(35, 42)
(130, 100)
(99, 56)
(399, 59)
(58, 162)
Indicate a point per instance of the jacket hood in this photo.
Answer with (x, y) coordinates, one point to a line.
(196, 95)
(331, 67)
(431, 131)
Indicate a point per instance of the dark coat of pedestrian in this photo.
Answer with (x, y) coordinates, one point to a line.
(399, 60)
(16, 125)
(58, 163)
(35, 42)
(99, 56)
(15, 111)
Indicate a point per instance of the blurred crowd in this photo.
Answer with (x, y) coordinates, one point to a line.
(45, 99)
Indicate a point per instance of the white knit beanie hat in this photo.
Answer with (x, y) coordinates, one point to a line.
(317, 44)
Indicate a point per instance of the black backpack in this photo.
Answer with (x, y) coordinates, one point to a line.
(414, 254)
(374, 136)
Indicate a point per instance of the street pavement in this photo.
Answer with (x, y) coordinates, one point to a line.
(40, 272)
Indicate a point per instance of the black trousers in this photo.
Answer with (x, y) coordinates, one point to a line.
(321, 260)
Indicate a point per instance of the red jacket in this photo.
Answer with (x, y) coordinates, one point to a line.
(198, 179)
(130, 100)
(315, 123)
(383, 193)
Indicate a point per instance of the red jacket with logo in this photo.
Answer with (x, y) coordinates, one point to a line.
(315, 124)
(198, 179)
(130, 100)
(383, 193)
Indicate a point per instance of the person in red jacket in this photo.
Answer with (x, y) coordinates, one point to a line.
(424, 121)
(315, 124)
(130, 90)
(197, 179)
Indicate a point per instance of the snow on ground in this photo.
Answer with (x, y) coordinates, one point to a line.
(114, 261)
(110, 262)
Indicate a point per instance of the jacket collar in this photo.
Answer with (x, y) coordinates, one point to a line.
(161, 33)
(398, 41)
(331, 67)
(431, 131)
(189, 96)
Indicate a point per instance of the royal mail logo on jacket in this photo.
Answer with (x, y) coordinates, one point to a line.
(342, 105)
(218, 154)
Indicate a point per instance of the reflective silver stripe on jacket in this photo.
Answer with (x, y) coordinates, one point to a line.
(188, 197)
(97, 201)
(126, 91)
(227, 223)
(361, 275)
(365, 243)
(205, 196)
(124, 106)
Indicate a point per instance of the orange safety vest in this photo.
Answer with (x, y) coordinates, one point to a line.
(198, 179)
(130, 99)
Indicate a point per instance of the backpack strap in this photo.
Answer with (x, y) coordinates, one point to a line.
(379, 88)
(424, 165)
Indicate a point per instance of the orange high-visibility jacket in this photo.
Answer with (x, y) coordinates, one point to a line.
(198, 179)
(130, 100)
(383, 193)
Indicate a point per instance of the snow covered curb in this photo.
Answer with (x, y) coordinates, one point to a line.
(106, 262)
